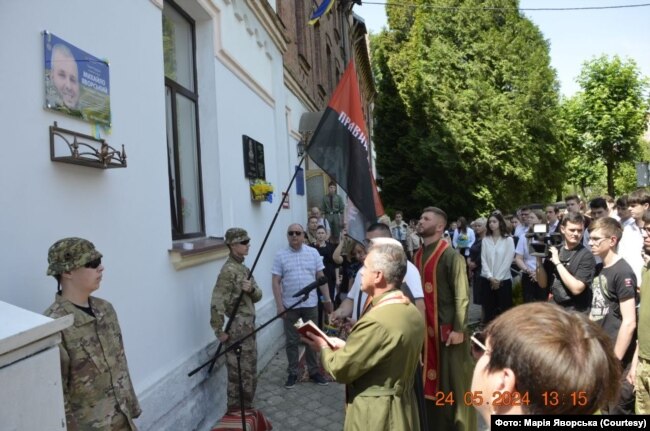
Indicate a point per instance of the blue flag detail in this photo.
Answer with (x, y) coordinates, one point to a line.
(321, 10)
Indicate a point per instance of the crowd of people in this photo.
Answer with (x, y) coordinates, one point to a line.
(580, 268)
(400, 302)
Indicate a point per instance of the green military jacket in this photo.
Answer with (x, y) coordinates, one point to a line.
(335, 207)
(644, 314)
(227, 290)
(97, 388)
(378, 364)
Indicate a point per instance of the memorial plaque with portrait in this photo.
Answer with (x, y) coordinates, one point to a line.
(76, 83)
(259, 159)
(253, 159)
(250, 164)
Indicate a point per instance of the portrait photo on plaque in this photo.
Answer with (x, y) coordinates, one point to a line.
(76, 83)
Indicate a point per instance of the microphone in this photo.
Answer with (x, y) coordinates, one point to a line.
(311, 286)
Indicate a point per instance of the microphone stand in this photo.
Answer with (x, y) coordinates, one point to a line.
(237, 347)
(212, 361)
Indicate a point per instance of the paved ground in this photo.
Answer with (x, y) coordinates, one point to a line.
(305, 407)
(308, 406)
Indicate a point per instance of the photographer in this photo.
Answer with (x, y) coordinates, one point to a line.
(569, 271)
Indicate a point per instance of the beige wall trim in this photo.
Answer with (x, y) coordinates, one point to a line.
(158, 3)
(228, 60)
(269, 20)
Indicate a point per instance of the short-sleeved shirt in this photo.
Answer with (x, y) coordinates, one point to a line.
(630, 247)
(580, 263)
(297, 268)
(522, 250)
(412, 280)
(612, 285)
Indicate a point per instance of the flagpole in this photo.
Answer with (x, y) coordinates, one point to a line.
(285, 195)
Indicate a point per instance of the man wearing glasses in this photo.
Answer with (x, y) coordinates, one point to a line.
(232, 281)
(569, 270)
(97, 388)
(295, 267)
(614, 303)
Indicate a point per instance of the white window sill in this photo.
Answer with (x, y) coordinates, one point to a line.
(193, 252)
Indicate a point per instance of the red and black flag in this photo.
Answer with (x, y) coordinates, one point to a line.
(340, 146)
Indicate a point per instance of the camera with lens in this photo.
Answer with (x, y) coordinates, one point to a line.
(539, 240)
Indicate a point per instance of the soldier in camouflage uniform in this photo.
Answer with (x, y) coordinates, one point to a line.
(233, 279)
(97, 389)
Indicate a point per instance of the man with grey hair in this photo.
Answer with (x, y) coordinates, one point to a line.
(354, 304)
(379, 358)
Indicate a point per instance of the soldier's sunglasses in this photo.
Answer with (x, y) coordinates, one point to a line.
(94, 264)
(245, 242)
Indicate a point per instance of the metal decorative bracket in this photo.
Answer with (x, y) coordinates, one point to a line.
(85, 150)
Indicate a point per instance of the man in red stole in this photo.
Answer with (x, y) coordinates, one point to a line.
(447, 365)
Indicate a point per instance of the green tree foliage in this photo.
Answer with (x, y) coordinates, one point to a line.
(610, 114)
(466, 115)
(584, 173)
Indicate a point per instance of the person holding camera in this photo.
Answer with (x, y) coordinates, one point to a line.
(527, 262)
(569, 270)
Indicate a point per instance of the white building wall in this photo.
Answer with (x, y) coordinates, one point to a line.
(164, 312)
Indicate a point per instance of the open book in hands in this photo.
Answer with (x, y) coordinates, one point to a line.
(309, 326)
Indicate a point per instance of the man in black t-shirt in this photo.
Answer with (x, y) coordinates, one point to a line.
(614, 301)
(569, 270)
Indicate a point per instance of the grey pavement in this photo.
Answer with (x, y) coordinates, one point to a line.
(307, 406)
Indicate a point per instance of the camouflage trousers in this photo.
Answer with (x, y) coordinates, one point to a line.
(242, 326)
(642, 386)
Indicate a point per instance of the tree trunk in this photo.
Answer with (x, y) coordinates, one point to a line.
(610, 178)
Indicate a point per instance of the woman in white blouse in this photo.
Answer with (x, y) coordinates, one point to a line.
(497, 252)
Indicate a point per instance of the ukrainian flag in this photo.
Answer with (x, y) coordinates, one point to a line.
(320, 11)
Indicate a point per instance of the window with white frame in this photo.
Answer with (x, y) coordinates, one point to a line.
(181, 103)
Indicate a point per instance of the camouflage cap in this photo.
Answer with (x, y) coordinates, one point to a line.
(70, 253)
(235, 235)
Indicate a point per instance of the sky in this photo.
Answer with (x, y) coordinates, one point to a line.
(574, 36)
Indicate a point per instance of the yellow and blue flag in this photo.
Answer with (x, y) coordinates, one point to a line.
(321, 10)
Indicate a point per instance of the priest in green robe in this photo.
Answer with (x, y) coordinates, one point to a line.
(379, 358)
(447, 373)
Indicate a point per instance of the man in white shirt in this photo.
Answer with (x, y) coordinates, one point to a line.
(353, 305)
(631, 244)
(399, 228)
(552, 218)
(611, 206)
(523, 217)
